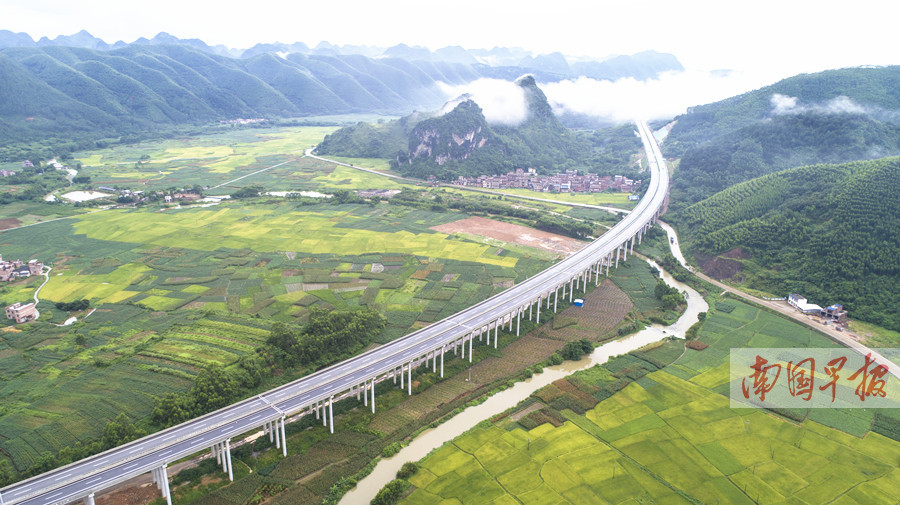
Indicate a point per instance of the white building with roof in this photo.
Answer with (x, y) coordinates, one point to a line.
(801, 304)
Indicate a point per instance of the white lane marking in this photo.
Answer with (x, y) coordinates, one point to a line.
(54, 495)
(96, 479)
(173, 435)
(135, 450)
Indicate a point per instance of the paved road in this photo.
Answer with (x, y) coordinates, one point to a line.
(842, 337)
(98, 472)
(361, 169)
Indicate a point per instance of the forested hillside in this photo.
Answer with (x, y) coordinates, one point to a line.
(462, 142)
(833, 116)
(66, 94)
(367, 140)
(77, 93)
(829, 232)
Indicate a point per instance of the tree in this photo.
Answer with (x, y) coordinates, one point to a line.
(391, 492)
(213, 389)
(670, 301)
(407, 470)
(247, 192)
(119, 431)
(574, 351)
(6, 472)
(45, 463)
(172, 409)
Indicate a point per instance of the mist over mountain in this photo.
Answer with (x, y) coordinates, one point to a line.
(470, 136)
(827, 117)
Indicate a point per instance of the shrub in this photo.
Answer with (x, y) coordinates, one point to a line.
(408, 470)
(725, 307)
(391, 449)
(391, 492)
(573, 351)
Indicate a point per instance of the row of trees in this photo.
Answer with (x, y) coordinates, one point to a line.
(328, 336)
(82, 304)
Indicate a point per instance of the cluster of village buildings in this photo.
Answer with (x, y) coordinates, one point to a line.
(138, 196)
(17, 269)
(29, 164)
(563, 182)
(10, 173)
(834, 312)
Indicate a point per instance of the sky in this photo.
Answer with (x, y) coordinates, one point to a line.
(788, 36)
(761, 41)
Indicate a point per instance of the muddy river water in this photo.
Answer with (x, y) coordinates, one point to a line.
(429, 440)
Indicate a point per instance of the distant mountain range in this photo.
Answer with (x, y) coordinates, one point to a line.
(500, 62)
(78, 88)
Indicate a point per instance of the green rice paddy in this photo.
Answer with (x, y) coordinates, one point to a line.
(671, 437)
(605, 198)
(205, 160)
(178, 290)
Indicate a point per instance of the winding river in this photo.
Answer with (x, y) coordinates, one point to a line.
(386, 469)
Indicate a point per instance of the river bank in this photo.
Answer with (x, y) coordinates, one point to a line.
(427, 441)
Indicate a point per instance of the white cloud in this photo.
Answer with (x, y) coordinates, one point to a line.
(628, 99)
(844, 105)
(620, 101)
(501, 101)
(783, 104)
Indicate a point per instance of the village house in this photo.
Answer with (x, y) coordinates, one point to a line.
(22, 313)
(568, 181)
(6, 173)
(834, 312)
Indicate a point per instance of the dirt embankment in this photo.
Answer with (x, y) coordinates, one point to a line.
(9, 222)
(723, 266)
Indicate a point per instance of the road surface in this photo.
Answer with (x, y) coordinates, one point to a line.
(82, 478)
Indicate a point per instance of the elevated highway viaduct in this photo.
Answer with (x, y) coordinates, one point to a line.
(315, 393)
